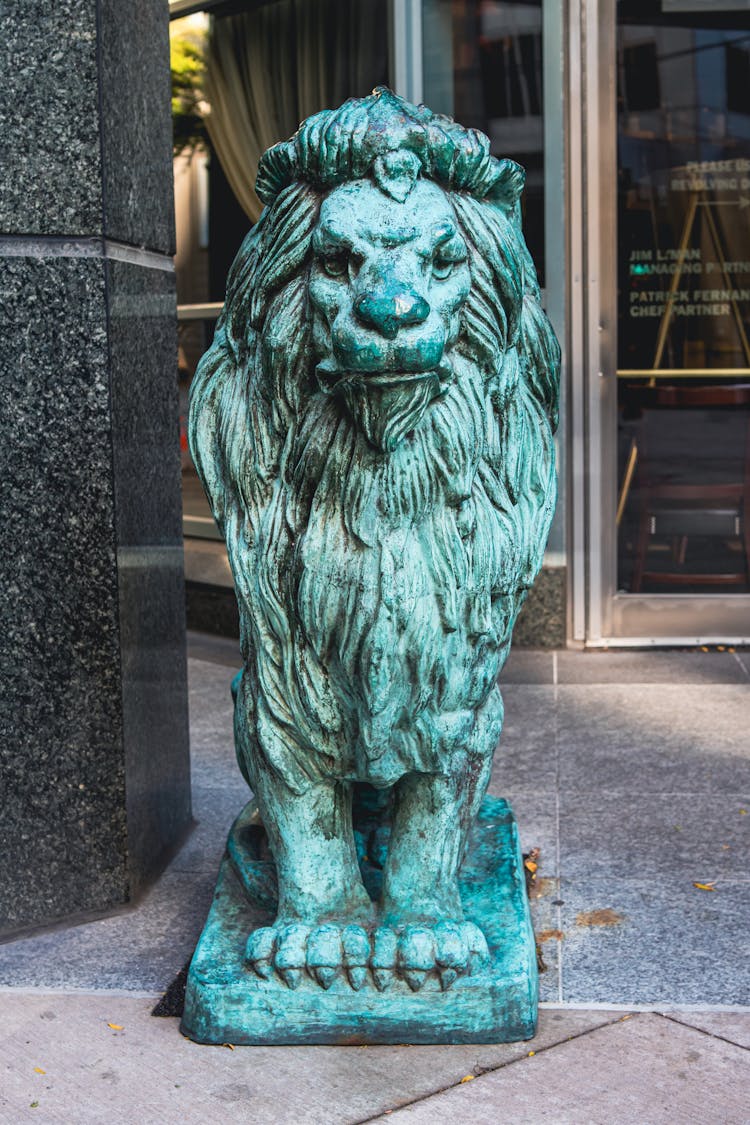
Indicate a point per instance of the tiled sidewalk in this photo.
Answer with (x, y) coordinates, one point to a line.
(630, 770)
(61, 1061)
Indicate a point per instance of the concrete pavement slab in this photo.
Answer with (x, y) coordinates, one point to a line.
(654, 942)
(142, 1070)
(216, 650)
(545, 916)
(214, 810)
(139, 949)
(733, 1026)
(700, 837)
(645, 1070)
(602, 666)
(536, 814)
(664, 738)
(526, 666)
(526, 757)
(211, 711)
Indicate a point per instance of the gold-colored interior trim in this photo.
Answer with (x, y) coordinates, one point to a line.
(682, 372)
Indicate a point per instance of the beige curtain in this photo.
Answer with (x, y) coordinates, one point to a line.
(268, 69)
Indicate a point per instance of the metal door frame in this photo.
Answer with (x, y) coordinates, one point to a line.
(599, 615)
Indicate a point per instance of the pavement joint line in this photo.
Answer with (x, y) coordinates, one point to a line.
(742, 665)
(46, 990)
(703, 1031)
(558, 844)
(660, 1008)
(491, 1069)
(707, 793)
(546, 1005)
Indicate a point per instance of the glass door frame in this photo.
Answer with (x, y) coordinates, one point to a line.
(599, 615)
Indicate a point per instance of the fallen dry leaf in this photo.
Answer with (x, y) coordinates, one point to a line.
(531, 1054)
(606, 917)
(705, 886)
(116, 1026)
(548, 935)
(743, 812)
(467, 1078)
(38, 1070)
(229, 1045)
(530, 868)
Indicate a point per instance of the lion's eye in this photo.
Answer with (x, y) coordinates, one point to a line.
(336, 265)
(442, 268)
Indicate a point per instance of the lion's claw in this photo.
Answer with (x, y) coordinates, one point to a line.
(259, 952)
(412, 953)
(383, 960)
(416, 955)
(446, 978)
(478, 950)
(290, 954)
(324, 954)
(292, 978)
(357, 975)
(452, 952)
(356, 947)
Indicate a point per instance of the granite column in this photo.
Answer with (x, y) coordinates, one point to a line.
(94, 766)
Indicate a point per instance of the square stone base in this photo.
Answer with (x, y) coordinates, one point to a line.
(226, 1003)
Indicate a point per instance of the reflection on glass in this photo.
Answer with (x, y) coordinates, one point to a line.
(259, 72)
(684, 297)
(483, 66)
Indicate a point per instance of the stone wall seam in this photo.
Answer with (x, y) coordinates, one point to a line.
(59, 246)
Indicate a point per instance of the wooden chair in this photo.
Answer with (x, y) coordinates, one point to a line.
(689, 506)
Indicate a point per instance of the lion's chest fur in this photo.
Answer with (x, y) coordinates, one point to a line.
(402, 631)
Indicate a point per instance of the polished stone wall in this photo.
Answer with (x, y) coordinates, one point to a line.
(94, 767)
(542, 621)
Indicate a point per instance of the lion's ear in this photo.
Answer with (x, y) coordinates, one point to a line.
(507, 187)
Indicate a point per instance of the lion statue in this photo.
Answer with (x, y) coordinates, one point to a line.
(373, 425)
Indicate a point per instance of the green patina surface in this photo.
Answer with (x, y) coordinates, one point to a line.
(227, 1004)
(373, 426)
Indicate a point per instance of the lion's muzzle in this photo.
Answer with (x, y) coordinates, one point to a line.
(388, 281)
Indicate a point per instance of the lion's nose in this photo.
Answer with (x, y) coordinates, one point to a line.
(392, 310)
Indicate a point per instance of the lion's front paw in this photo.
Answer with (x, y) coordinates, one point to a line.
(446, 950)
(323, 952)
(412, 953)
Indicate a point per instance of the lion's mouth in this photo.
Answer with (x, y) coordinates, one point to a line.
(333, 378)
(385, 405)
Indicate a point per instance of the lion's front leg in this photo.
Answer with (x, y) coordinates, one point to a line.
(421, 900)
(433, 814)
(323, 905)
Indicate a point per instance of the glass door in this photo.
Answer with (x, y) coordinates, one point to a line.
(673, 311)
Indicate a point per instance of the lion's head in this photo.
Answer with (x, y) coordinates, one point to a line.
(388, 280)
(382, 356)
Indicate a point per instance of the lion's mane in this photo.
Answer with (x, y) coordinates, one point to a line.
(366, 657)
